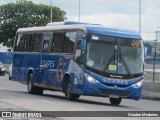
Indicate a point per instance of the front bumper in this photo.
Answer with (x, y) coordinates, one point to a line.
(100, 89)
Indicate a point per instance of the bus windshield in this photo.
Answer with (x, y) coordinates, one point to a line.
(115, 57)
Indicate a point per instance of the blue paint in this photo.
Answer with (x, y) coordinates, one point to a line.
(49, 69)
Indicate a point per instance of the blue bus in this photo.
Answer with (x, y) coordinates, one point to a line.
(80, 59)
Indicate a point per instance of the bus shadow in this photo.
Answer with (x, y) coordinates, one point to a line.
(84, 101)
(99, 103)
(60, 97)
(54, 96)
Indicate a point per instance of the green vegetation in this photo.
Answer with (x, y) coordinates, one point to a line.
(24, 14)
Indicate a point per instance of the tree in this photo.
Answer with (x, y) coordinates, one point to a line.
(25, 14)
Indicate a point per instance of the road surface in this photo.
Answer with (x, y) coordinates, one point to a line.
(14, 97)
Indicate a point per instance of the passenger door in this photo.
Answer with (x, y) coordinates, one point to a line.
(45, 63)
(78, 65)
(55, 60)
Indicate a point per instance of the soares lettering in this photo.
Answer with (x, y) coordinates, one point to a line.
(47, 63)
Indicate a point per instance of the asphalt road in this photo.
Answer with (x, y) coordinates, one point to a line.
(14, 97)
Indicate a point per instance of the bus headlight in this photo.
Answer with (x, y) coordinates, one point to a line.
(3, 69)
(138, 84)
(90, 79)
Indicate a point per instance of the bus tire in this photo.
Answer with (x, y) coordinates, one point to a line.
(115, 101)
(33, 89)
(69, 95)
(10, 77)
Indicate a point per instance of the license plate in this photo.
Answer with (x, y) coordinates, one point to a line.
(113, 96)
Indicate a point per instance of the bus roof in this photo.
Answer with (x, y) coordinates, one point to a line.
(48, 28)
(87, 27)
(69, 23)
(113, 32)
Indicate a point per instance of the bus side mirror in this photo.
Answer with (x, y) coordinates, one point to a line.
(83, 46)
(83, 49)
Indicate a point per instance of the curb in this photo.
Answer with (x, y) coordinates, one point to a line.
(150, 98)
(151, 91)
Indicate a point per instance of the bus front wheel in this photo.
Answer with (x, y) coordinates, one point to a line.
(115, 101)
(33, 89)
(69, 95)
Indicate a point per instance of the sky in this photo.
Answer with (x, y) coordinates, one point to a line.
(112, 13)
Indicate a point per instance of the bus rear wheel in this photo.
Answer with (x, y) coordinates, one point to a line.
(115, 101)
(33, 89)
(69, 95)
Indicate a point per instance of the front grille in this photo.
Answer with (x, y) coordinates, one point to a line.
(112, 85)
(114, 92)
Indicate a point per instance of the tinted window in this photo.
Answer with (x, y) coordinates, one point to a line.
(28, 42)
(20, 42)
(46, 40)
(80, 35)
(57, 42)
(69, 42)
(78, 52)
(78, 45)
(37, 42)
(78, 56)
(45, 46)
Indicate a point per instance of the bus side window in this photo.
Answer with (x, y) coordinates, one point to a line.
(78, 52)
(57, 42)
(46, 43)
(78, 55)
(28, 43)
(37, 42)
(69, 42)
(20, 42)
(45, 46)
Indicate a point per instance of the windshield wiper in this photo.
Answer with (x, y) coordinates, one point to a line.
(138, 74)
(110, 60)
(124, 62)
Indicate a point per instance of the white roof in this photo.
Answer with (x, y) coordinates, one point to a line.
(46, 28)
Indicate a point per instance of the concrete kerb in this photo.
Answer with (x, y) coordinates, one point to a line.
(151, 90)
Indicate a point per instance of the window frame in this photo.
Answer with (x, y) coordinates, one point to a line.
(49, 42)
(26, 41)
(64, 42)
(15, 48)
(41, 44)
